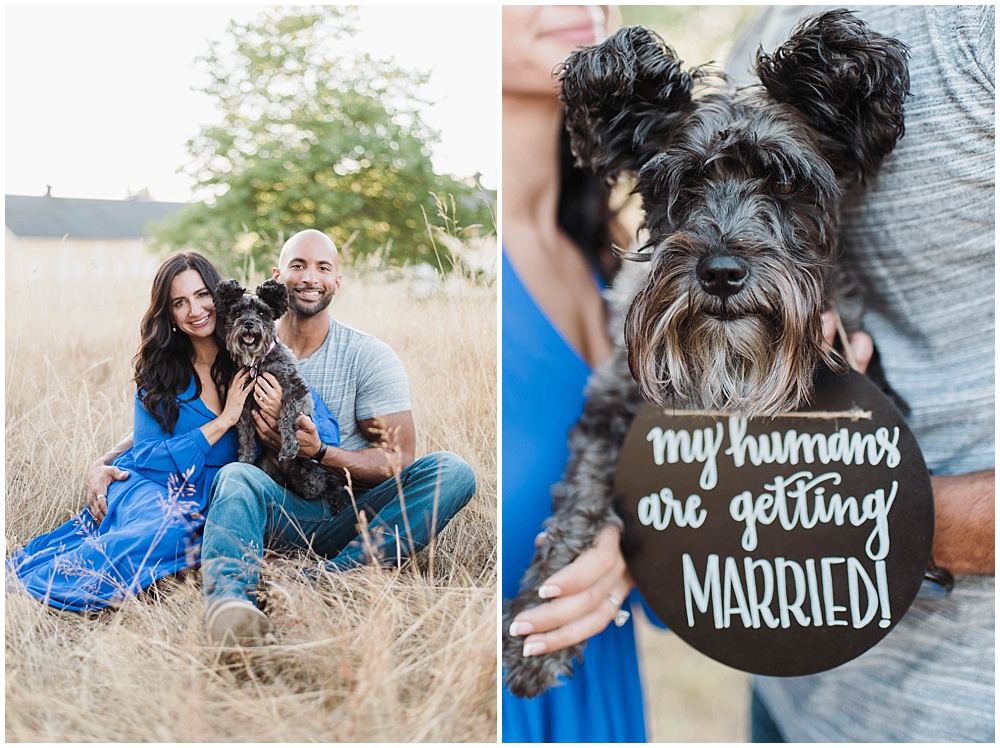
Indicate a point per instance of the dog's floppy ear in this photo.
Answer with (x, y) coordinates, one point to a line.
(227, 293)
(849, 81)
(275, 295)
(621, 98)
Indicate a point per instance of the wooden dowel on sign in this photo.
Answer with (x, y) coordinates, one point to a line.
(854, 414)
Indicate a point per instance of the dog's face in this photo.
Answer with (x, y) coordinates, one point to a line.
(741, 191)
(742, 226)
(249, 319)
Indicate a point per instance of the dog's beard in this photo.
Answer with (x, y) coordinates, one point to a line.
(248, 347)
(754, 354)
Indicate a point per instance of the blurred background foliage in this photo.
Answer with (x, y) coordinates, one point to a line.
(312, 134)
(698, 33)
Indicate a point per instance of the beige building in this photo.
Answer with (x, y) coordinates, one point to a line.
(58, 238)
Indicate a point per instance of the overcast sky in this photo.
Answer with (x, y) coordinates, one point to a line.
(100, 101)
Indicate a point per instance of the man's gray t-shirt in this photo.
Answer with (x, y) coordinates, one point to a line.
(359, 377)
(920, 239)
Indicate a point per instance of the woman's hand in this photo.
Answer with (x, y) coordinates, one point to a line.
(580, 605)
(862, 346)
(236, 396)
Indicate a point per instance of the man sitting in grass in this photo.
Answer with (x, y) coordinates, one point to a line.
(405, 501)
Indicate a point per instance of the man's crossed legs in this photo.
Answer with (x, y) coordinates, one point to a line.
(249, 512)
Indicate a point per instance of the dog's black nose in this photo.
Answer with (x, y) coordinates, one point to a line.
(722, 275)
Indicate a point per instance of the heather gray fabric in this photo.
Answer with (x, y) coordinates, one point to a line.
(920, 240)
(359, 377)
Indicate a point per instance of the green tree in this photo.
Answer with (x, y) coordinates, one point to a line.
(311, 135)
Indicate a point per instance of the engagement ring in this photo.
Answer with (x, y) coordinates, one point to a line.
(621, 616)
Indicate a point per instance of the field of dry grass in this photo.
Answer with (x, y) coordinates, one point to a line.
(689, 697)
(372, 654)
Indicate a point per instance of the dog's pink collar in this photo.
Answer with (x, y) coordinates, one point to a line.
(255, 369)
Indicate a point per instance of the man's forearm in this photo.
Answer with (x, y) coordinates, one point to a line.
(115, 452)
(965, 522)
(368, 467)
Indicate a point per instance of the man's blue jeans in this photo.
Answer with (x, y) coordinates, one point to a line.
(248, 512)
(763, 728)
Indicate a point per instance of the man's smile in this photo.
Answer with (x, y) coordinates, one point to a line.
(309, 294)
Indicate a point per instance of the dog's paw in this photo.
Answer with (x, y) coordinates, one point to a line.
(289, 449)
(527, 677)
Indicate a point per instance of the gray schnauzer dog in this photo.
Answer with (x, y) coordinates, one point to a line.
(741, 191)
(252, 340)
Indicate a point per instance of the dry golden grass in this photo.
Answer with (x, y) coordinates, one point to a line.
(689, 697)
(372, 654)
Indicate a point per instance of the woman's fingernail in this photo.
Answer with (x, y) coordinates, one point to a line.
(520, 628)
(549, 590)
(533, 648)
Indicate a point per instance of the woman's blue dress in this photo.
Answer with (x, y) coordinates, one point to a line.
(543, 381)
(154, 520)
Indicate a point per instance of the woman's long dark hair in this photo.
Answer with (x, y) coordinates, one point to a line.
(164, 363)
(585, 213)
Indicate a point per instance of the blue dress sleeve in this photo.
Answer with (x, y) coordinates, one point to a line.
(158, 454)
(326, 423)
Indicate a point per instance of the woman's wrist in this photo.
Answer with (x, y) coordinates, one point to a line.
(223, 423)
(214, 429)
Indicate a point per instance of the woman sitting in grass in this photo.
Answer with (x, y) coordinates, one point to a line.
(148, 526)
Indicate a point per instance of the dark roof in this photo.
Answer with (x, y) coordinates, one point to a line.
(83, 218)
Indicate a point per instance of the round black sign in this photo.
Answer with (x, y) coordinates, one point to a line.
(782, 546)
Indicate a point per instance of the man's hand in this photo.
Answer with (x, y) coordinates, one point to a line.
(99, 478)
(308, 436)
(267, 393)
(306, 433)
(267, 430)
(862, 346)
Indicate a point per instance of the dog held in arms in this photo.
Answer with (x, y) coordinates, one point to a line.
(252, 340)
(741, 191)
